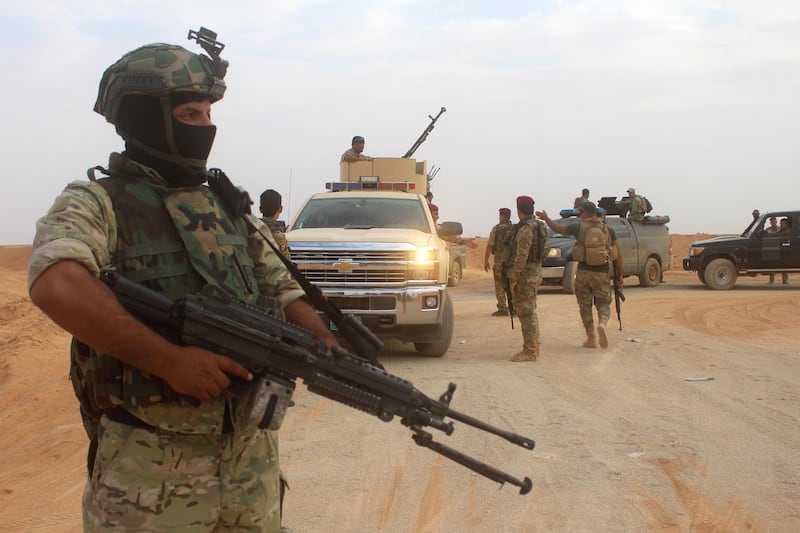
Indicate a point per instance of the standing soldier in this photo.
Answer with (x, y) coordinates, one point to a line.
(528, 247)
(173, 446)
(596, 247)
(271, 208)
(354, 153)
(499, 245)
(638, 205)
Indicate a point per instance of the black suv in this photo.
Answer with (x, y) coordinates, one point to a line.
(758, 250)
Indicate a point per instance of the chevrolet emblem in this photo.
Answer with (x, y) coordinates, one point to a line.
(344, 265)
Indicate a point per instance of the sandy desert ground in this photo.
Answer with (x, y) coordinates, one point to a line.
(689, 422)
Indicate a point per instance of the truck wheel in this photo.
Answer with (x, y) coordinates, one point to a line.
(568, 281)
(650, 276)
(701, 275)
(720, 274)
(439, 348)
(455, 274)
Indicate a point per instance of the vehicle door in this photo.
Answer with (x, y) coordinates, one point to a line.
(627, 243)
(765, 248)
(790, 243)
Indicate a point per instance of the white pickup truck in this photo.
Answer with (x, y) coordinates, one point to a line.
(372, 247)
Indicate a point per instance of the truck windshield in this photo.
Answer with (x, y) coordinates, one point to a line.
(362, 213)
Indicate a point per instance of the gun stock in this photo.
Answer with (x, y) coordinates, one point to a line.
(281, 353)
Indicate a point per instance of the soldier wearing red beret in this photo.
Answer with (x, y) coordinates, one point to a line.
(524, 272)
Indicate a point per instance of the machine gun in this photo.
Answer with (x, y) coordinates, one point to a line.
(424, 135)
(278, 354)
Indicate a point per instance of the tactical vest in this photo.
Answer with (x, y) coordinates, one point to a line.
(173, 241)
(503, 242)
(593, 245)
(538, 242)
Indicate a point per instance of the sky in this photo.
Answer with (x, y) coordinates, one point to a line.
(694, 103)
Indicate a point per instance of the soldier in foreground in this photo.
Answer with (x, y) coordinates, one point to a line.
(499, 245)
(524, 271)
(596, 247)
(173, 443)
(271, 208)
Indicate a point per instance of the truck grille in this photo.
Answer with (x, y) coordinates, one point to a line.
(356, 256)
(365, 303)
(333, 276)
(327, 267)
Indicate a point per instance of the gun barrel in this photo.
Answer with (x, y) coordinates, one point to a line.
(424, 134)
(519, 440)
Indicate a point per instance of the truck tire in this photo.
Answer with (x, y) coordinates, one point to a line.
(455, 274)
(701, 275)
(568, 281)
(720, 274)
(650, 276)
(440, 347)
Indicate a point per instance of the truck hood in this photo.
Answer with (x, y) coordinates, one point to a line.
(338, 235)
(716, 240)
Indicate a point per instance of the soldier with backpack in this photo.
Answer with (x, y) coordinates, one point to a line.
(639, 205)
(596, 248)
(524, 272)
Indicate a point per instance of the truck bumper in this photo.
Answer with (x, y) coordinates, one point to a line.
(692, 263)
(553, 273)
(403, 314)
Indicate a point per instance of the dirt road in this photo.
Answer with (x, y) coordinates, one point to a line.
(626, 439)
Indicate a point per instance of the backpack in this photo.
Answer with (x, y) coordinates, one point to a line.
(593, 245)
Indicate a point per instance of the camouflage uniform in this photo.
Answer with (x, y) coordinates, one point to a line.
(593, 287)
(277, 233)
(352, 154)
(500, 241)
(525, 268)
(182, 468)
(638, 208)
(159, 462)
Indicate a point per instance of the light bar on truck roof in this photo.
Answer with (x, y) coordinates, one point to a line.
(336, 186)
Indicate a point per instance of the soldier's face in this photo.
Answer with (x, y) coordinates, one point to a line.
(194, 113)
(358, 147)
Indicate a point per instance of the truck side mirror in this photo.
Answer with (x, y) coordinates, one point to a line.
(450, 228)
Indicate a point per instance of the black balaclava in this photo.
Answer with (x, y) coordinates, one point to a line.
(177, 151)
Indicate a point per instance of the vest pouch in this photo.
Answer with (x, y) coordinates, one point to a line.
(579, 253)
(270, 400)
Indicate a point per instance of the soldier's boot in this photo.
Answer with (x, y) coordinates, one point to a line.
(525, 355)
(591, 340)
(602, 334)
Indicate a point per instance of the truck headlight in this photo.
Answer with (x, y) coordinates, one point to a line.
(423, 254)
(554, 252)
(695, 251)
(430, 302)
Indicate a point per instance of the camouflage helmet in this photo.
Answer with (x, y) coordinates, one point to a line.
(158, 70)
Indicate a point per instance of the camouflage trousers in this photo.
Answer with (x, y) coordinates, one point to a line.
(524, 299)
(593, 288)
(147, 480)
(499, 290)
